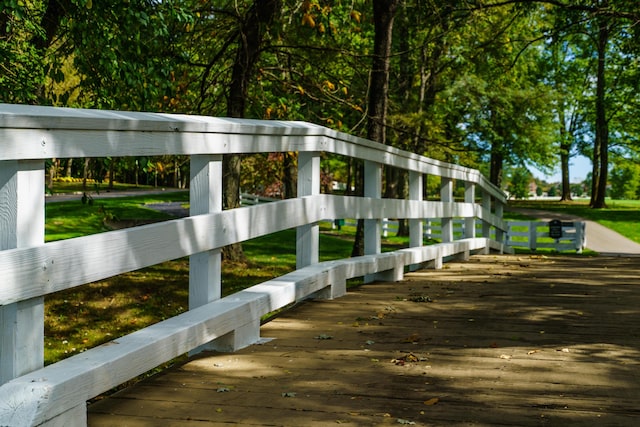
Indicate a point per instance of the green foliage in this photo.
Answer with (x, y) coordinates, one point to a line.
(491, 87)
(519, 186)
(625, 181)
(22, 66)
(126, 51)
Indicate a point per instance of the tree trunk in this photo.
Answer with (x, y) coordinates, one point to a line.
(67, 171)
(289, 176)
(383, 14)
(601, 143)
(85, 173)
(565, 151)
(252, 29)
(495, 164)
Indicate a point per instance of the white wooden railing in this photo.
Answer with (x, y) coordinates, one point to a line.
(532, 235)
(56, 395)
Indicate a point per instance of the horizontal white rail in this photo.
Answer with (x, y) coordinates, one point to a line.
(536, 235)
(30, 269)
(34, 132)
(44, 269)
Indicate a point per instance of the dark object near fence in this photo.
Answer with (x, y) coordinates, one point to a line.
(555, 229)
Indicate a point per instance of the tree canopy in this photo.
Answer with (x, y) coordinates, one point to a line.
(497, 85)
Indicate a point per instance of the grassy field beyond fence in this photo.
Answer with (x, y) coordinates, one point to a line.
(87, 316)
(83, 317)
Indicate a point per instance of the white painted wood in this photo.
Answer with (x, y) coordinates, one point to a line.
(372, 227)
(43, 269)
(308, 235)
(372, 190)
(32, 132)
(205, 268)
(74, 417)
(21, 225)
(415, 193)
(55, 395)
(486, 212)
(446, 196)
(573, 236)
(44, 394)
(470, 221)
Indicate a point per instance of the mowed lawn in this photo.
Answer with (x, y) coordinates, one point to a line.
(86, 316)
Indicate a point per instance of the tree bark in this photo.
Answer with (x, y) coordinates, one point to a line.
(289, 176)
(495, 164)
(383, 14)
(252, 30)
(565, 151)
(601, 143)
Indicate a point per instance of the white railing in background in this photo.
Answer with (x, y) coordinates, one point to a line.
(56, 395)
(536, 235)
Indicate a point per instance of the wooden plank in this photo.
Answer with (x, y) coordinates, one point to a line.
(41, 395)
(86, 373)
(346, 380)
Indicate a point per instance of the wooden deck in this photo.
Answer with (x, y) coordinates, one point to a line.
(498, 340)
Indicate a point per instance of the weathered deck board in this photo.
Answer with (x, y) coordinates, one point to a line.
(499, 340)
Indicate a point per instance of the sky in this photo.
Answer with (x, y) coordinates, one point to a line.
(579, 167)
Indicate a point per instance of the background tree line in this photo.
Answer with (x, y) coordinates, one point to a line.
(496, 85)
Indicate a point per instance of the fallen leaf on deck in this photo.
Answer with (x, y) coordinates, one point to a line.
(505, 356)
(402, 421)
(289, 394)
(223, 390)
(431, 401)
(407, 358)
(412, 338)
(532, 351)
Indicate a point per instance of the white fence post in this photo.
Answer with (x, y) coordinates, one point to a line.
(486, 210)
(581, 240)
(415, 225)
(469, 197)
(205, 196)
(533, 235)
(308, 236)
(21, 224)
(373, 189)
(446, 196)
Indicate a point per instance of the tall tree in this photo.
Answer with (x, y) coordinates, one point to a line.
(253, 27)
(383, 16)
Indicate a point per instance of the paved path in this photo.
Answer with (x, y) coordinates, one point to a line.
(501, 340)
(599, 238)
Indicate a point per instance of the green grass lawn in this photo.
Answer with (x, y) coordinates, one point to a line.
(83, 317)
(86, 316)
